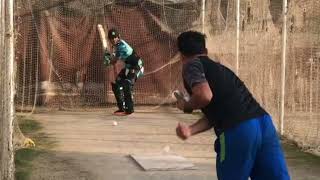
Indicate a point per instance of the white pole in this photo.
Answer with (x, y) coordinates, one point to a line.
(203, 14)
(311, 88)
(12, 88)
(283, 65)
(7, 170)
(238, 37)
(11, 79)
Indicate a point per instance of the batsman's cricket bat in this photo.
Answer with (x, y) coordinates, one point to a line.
(105, 44)
(103, 38)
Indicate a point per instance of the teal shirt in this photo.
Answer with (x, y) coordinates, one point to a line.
(123, 50)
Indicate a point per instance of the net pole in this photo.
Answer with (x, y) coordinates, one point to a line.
(311, 89)
(203, 10)
(7, 170)
(238, 37)
(283, 63)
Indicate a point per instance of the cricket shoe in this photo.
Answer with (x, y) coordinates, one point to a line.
(122, 113)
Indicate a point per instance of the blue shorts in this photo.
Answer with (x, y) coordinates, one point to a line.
(251, 149)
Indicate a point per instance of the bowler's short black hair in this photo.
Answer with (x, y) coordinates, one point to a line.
(192, 43)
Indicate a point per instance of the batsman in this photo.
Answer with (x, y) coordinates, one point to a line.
(125, 80)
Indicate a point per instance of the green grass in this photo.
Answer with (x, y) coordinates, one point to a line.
(28, 125)
(25, 157)
(23, 162)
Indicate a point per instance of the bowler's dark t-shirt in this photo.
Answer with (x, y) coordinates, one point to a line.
(231, 103)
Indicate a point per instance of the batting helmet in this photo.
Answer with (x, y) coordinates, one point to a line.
(113, 33)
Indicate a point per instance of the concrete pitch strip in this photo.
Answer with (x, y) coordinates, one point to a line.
(163, 162)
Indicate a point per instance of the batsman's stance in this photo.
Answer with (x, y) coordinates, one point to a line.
(123, 85)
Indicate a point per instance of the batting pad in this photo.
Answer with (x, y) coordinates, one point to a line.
(163, 162)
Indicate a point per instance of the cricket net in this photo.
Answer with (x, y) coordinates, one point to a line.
(59, 53)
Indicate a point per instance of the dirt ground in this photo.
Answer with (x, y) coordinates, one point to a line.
(90, 147)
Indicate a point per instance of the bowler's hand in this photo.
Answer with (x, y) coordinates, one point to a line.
(183, 131)
(181, 104)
